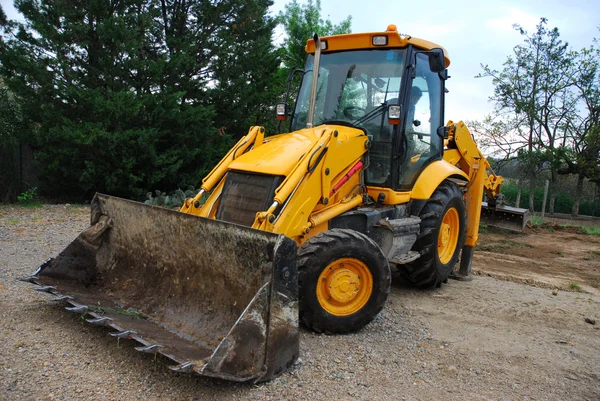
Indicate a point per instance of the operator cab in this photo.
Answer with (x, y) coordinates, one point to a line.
(356, 86)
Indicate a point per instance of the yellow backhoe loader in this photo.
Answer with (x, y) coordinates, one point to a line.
(297, 226)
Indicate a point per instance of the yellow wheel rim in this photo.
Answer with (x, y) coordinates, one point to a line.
(448, 236)
(344, 286)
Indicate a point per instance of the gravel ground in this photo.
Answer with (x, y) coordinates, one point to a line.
(481, 340)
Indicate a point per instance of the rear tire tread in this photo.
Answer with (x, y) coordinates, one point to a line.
(427, 271)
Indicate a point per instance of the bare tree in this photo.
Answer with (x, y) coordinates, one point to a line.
(534, 103)
(583, 153)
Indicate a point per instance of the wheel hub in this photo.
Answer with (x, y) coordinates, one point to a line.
(344, 286)
(444, 235)
(448, 235)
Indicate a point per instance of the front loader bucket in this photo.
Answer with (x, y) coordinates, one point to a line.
(217, 299)
(506, 217)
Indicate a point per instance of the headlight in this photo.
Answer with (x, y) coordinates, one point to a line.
(281, 111)
(380, 40)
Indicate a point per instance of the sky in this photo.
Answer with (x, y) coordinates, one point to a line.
(473, 33)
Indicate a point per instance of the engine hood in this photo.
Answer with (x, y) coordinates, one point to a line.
(279, 154)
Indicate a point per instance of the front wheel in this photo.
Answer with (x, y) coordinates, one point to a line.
(344, 281)
(441, 237)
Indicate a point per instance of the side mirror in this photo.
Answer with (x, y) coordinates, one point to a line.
(437, 63)
(281, 111)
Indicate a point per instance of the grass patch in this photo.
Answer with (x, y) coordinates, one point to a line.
(28, 199)
(13, 222)
(537, 220)
(589, 230)
(31, 205)
(574, 286)
(101, 310)
(558, 252)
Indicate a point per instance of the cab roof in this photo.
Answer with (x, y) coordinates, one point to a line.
(354, 41)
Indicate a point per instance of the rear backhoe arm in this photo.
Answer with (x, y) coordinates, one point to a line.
(461, 150)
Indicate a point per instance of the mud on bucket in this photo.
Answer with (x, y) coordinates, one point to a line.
(216, 298)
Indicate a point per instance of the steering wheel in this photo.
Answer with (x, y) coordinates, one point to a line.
(354, 112)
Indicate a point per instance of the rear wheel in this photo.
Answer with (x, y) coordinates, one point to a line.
(441, 237)
(344, 281)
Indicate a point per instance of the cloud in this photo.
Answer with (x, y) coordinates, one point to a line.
(503, 24)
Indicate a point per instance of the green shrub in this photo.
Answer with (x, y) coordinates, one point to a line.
(563, 202)
(174, 200)
(29, 198)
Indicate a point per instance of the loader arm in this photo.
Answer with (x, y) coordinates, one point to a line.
(322, 179)
(324, 184)
(254, 138)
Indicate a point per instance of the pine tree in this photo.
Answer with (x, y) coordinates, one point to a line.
(119, 94)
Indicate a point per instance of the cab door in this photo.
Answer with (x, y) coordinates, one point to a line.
(420, 142)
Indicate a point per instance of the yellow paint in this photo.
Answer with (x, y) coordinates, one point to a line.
(391, 197)
(300, 169)
(311, 233)
(448, 235)
(432, 177)
(209, 209)
(356, 41)
(278, 156)
(304, 194)
(452, 156)
(327, 214)
(344, 286)
(473, 199)
(465, 143)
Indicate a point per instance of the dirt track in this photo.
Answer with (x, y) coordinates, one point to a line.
(552, 257)
(484, 339)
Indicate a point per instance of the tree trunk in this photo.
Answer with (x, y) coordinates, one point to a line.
(544, 199)
(519, 186)
(10, 172)
(531, 193)
(553, 185)
(597, 195)
(578, 192)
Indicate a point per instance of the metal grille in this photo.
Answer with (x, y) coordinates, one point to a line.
(244, 195)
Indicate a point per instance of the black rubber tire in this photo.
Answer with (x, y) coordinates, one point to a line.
(325, 248)
(428, 271)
